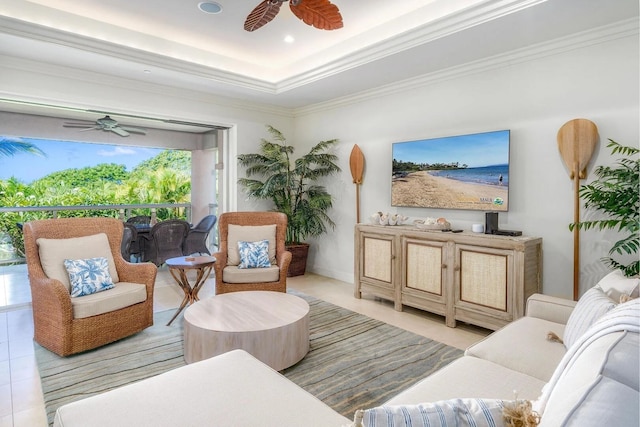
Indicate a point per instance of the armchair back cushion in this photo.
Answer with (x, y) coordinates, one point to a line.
(249, 233)
(53, 252)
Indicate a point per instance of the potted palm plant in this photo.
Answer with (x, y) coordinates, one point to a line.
(615, 194)
(293, 188)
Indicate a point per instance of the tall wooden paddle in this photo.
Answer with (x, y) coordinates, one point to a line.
(577, 140)
(356, 162)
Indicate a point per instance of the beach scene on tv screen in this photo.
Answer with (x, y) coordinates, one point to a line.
(454, 172)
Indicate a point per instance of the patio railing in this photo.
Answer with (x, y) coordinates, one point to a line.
(116, 211)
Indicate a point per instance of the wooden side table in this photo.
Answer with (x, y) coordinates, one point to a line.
(178, 268)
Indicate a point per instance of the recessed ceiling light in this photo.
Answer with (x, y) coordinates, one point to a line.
(289, 39)
(210, 7)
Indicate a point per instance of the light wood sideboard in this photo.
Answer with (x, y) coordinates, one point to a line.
(471, 277)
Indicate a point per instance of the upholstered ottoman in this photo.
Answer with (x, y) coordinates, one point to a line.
(233, 389)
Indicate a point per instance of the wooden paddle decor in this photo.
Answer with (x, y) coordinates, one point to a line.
(577, 141)
(356, 162)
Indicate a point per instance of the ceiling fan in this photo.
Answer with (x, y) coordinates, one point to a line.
(321, 14)
(106, 124)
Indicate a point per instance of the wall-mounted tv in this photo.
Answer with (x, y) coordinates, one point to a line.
(455, 172)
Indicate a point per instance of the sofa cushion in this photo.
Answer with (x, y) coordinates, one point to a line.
(53, 252)
(249, 233)
(232, 389)
(122, 295)
(591, 306)
(469, 377)
(88, 276)
(254, 254)
(522, 346)
(616, 284)
(233, 274)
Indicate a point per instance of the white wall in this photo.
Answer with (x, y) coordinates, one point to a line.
(532, 94)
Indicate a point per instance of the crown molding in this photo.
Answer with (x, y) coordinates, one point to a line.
(56, 71)
(617, 30)
(426, 33)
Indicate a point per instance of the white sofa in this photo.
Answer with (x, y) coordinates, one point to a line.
(599, 386)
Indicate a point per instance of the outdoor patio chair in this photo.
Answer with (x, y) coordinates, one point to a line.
(196, 241)
(130, 244)
(65, 324)
(165, 240)
(234, 227)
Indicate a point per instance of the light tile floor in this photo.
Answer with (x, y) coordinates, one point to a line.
(21, 401)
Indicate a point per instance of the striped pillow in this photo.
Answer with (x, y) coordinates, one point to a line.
(590, 307)
(454, 412)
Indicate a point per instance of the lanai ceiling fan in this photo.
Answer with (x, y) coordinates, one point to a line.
(321, 14)
(106, 124)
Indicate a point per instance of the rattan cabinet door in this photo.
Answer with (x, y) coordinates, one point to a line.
(376, 265)
(483, 285)
(424, 268)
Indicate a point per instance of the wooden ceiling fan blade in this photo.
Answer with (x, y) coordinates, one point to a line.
(321, 14)
(262, 14)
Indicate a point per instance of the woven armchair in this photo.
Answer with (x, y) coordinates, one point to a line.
(55, 327)
(282, 256)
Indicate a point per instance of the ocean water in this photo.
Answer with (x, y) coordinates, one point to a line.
(484, 175)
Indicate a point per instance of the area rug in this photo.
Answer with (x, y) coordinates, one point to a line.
(354, 361)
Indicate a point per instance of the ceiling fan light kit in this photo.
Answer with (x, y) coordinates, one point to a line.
(321, 14)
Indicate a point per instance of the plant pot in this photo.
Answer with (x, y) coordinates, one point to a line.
(299, 252)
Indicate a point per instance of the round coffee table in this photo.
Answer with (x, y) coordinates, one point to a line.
(272, 326)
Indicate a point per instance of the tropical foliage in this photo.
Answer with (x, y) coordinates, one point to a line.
(164, 179)
(11, 146)
(292, 185)
(614, 194)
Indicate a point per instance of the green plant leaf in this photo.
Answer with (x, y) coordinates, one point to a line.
(615, 194)
(292, 185)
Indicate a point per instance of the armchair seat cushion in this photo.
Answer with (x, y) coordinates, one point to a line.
(233, 274)
(123, 294)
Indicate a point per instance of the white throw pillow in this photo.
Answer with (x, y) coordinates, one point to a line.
(616, 284)
(590, 307)
(88, 276)
(53, 252)
(249, 233)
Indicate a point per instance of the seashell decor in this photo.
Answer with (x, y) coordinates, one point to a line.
(380, 218)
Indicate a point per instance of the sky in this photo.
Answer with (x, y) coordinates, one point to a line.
(61, 155)
(475, 150)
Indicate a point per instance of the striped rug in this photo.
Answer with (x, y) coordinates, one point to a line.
(354, 361)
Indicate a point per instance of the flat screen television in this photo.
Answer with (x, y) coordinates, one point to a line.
(454, 172)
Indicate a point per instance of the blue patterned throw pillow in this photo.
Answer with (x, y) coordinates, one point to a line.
(88, 276)
(254, 254)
